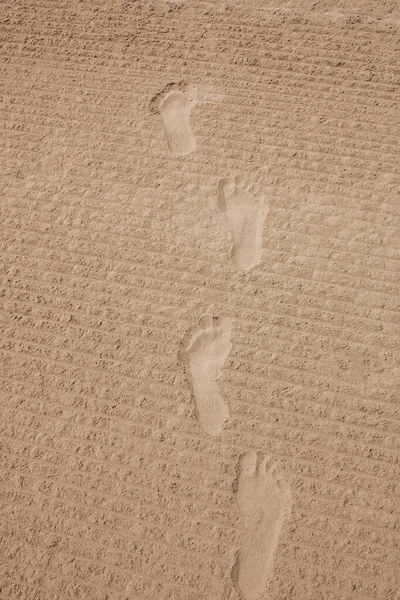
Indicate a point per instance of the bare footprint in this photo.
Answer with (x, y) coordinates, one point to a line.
(174, 104)
(264, 500)
(204, 351)
(245, 209)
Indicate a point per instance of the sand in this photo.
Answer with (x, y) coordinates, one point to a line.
(200, 311)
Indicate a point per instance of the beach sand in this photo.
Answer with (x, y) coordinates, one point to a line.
(200, 309)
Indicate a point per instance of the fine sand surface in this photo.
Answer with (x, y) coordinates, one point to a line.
(200, 308)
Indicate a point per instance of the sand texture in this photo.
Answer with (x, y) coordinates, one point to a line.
(200, 308)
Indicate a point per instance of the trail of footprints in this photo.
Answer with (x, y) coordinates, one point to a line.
(262, 491)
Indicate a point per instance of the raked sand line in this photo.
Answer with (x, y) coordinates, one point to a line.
(204, 351)
(175, 104)
(264, 500)
(245, 208)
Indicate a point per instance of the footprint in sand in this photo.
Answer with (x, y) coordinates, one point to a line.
(264, 500)
(245, 208)
(204, 351)
(174, 104)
